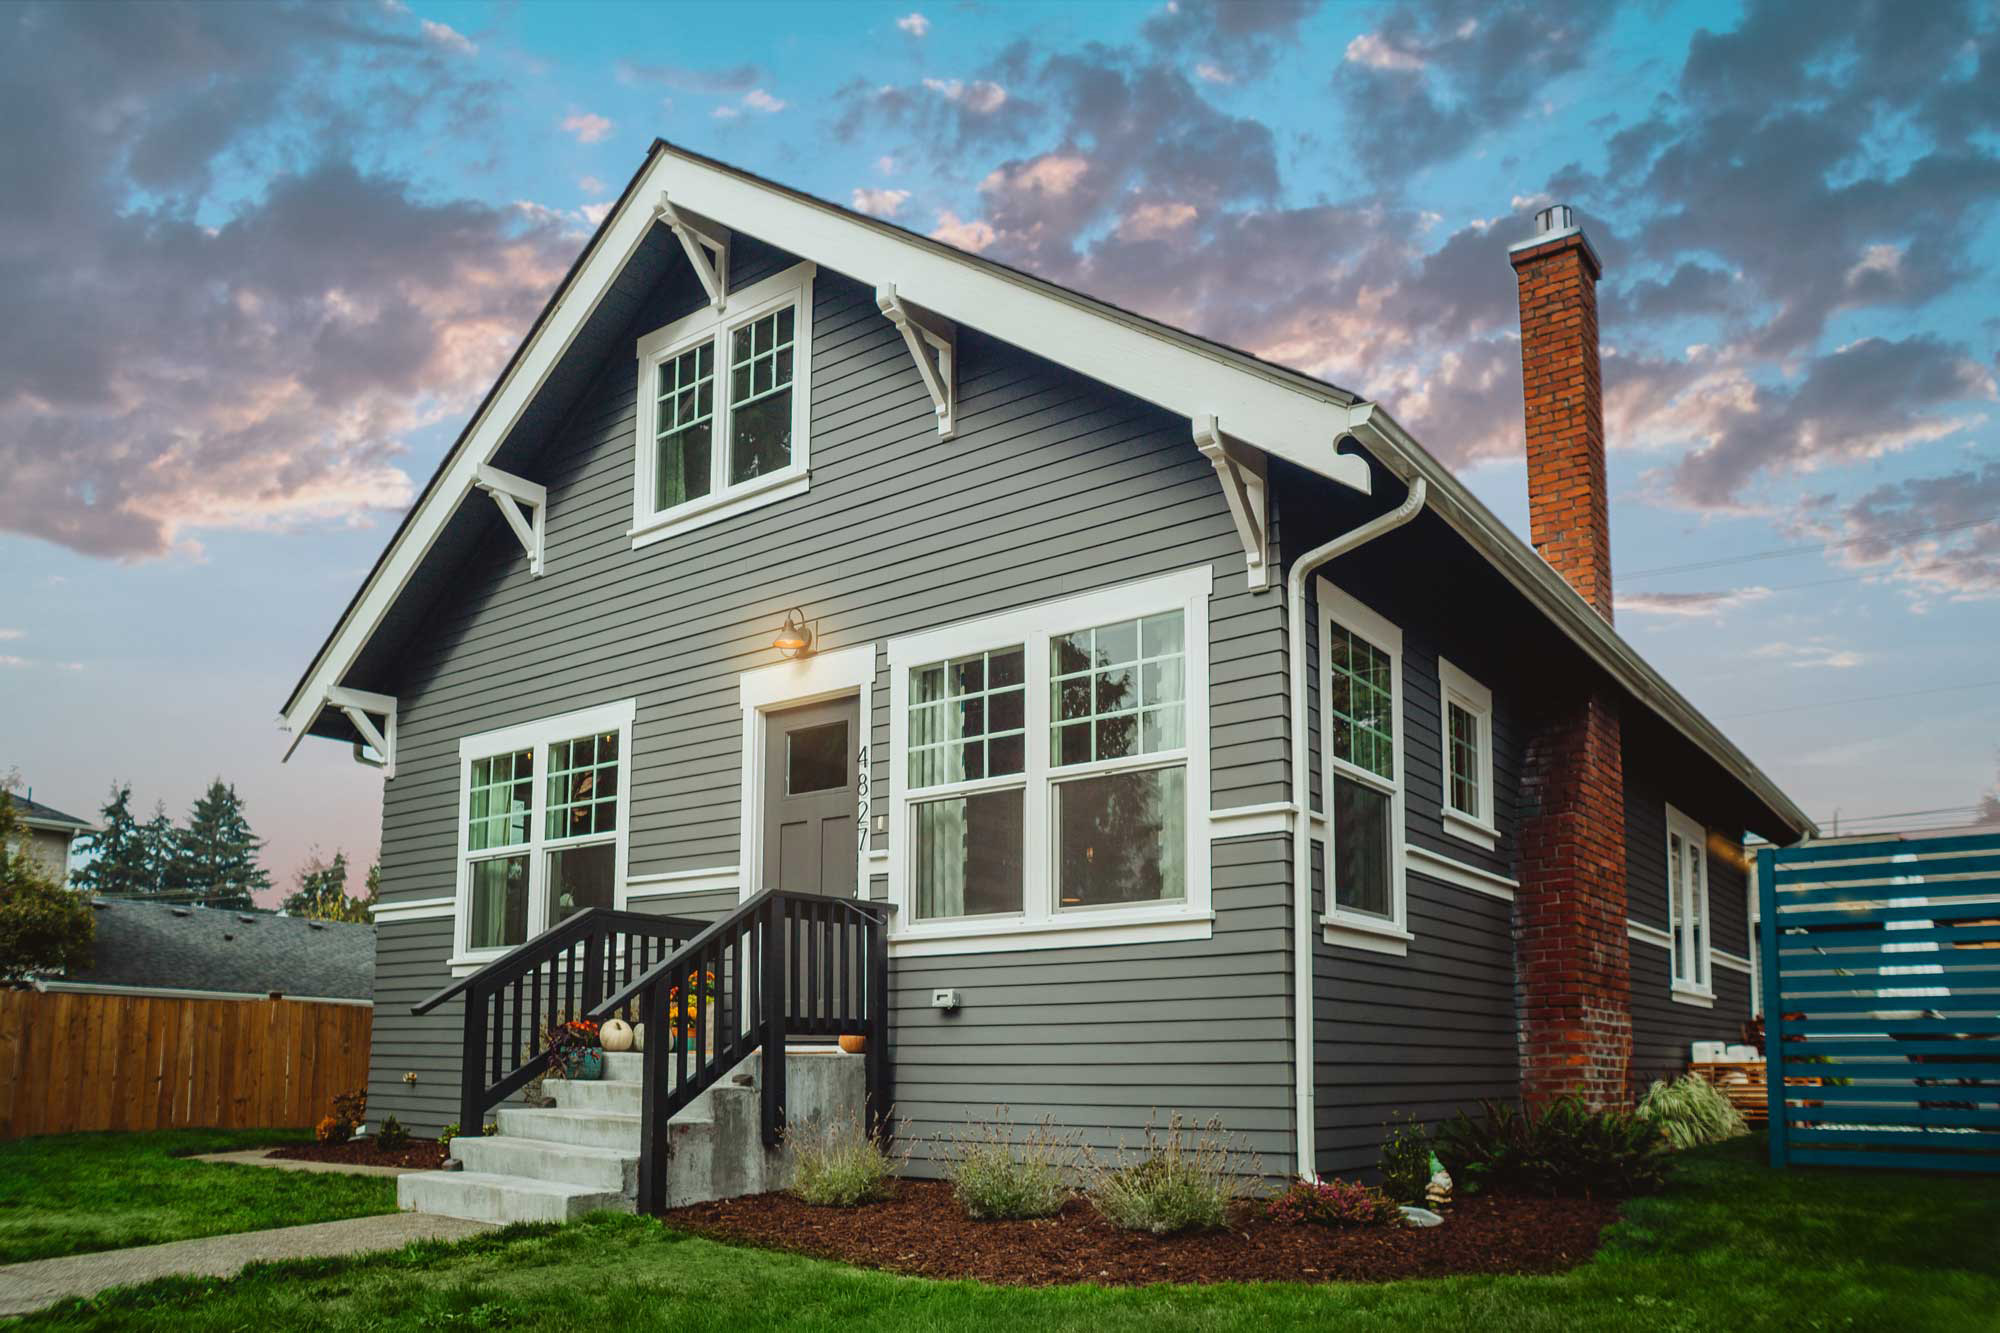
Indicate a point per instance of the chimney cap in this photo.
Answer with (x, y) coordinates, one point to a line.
(1555, 223)
(1556, 217)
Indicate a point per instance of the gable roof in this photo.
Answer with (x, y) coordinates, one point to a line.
(158, 945)
(1273, 408)
(36, 815)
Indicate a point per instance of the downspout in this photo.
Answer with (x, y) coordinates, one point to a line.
(1304, 934)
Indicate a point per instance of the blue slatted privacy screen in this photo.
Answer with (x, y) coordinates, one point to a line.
(1881, 968)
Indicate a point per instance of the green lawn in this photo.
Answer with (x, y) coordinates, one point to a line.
(69, 1193)
(1730, 1245)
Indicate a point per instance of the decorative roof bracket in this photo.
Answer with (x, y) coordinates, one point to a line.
(933, 344)
(361, 708)
(510, 493)
(707, 246)
(1242, 470)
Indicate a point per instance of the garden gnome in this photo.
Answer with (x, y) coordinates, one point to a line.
(1438, 1193)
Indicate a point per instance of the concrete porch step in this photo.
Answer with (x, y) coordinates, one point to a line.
(618, 1096)
(483, 1197)
(588, 1129)
(544, 1159)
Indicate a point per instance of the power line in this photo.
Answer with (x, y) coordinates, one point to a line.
(1782, 552)
(1862, 699)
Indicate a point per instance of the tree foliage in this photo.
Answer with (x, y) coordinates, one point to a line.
(215, 854)
(121, 860)
(44, 927)
(322, 893)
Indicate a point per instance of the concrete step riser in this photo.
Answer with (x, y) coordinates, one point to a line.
(619, 1098)
(589, 1130)
(500, 1199)
(540, 1159)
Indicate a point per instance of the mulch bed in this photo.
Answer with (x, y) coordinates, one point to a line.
(922, 1232)
(424, 1154)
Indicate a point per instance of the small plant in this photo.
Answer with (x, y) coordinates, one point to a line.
(1559, 1148)
(392, 1137)
(1186, 1179)
(332, 1129)
(996, 1177)
(1406, 1160)
(1691, 1111)
(836, 1165)
(447, 1134)
(349, 1110)
(1335, 1203)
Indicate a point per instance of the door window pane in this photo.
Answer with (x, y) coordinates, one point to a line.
(968, 718)
(816, 758)
(1122, 838)
(500, 794)
(499, 902)
(1465, 769)
(581, 877)
(968, 855)
(1118, 690)
(760, 396)
(1360, 703)
(1362, 858)
(684, 414)
(583, 786)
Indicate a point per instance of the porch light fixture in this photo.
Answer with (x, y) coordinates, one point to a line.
(795, 640)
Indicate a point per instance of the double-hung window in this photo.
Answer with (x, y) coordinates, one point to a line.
(1361, 710)
(542, 827)
(1687, 905)
(1465, 726)
(1053, 770)
(722, 413)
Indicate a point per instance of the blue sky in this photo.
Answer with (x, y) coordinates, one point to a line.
(262, 260)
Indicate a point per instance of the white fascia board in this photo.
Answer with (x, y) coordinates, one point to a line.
(1523, 567)
(612, 248)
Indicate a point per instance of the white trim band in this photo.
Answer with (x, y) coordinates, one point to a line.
(1437, 866)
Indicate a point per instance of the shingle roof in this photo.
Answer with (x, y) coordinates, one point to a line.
(37, 815)
(207, 948)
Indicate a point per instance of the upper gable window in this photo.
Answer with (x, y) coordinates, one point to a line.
(722, 422)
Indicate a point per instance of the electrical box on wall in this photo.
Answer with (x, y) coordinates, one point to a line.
(946, 1000)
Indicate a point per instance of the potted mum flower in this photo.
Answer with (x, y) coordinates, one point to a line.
(574, 1051)
(692, 1019)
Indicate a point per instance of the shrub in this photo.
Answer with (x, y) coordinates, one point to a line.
(1335, 1203)
(1560, 1148)
(392, 1137)
(332, 1129)
(44, 927)
(1406, 1161)
(994, 1178)
(1180, 1182)
(1691, 1111)
(836, 1165)
(447, 1134)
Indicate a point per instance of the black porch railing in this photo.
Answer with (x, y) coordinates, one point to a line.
(782, 964)
(563, 973)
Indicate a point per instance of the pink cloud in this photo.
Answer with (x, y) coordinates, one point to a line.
(588, 127)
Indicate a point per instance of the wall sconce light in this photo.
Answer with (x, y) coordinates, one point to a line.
(795, 640)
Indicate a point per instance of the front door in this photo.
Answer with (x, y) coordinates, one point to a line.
(811, 775)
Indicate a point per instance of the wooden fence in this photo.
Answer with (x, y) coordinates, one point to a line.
(73, 1061)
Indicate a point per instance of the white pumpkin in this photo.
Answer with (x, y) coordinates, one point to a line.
(639, 1037)
(616, 1035)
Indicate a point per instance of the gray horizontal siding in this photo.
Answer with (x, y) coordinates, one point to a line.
(1053, 486)
(1663, 1028)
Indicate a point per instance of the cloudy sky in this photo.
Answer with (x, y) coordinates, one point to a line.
(257, 263)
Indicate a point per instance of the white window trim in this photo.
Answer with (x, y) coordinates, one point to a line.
(714, 324)
(1455, 687)
(1694, 837)
(844, 673)
(1342, 926)
(537, 736)
(1041, 924)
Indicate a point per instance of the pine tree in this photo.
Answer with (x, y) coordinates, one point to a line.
(215, 860)
(322, 892)
(120, 865)
(160, 841)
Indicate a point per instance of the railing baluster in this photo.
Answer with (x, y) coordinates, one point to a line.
(652, 1114)
(773, 1024)
(472, 1093)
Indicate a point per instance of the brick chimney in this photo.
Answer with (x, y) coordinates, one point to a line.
(1569, 515)
(1572, 951)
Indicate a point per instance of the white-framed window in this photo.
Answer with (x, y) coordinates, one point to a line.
(1049, 772)
(1361, 732)
(542, 826)
(1465, 730)
(1688, 922)
(723, 413)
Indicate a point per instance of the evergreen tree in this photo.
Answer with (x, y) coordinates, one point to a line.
(215, 860)
(121, 865)
(322, 892)
(161, 843)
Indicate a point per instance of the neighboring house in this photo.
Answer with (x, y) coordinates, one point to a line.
(49, 834)
(1119, 639)
(159, 948)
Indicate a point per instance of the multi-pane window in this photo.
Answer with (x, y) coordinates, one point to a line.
(1050, 761)
(720, 412)
(1463, 738)
(1687, 902)
(543, 824)
(1361, 696)
(968, 724)
(1467, 733)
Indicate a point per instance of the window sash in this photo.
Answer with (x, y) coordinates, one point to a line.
(1464, 773)
(1689, 930)
(1363, 650)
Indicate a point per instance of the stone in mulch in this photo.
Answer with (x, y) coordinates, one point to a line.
(922, 1232)
(418, 1154)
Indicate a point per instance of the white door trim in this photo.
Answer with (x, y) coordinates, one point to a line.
(845, 673)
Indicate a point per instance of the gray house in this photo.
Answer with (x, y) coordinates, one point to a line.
(1172, 730)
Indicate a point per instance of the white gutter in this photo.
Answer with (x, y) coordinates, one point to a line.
(1304, 937)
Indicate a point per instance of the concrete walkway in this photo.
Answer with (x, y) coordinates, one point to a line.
(262, 1157)
(31, 1286)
